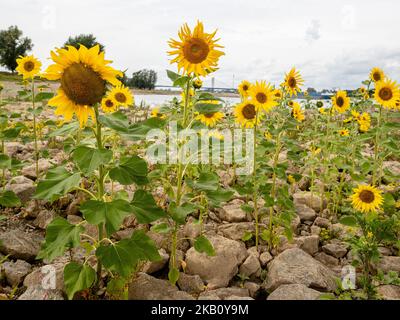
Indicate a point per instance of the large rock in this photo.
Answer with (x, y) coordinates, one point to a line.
(15, 272)
(389, 292)
(232, 212)
(337, 250)
(294, 292)
(392, 166)
(251, 266)
(224, 293)
(20, 245)
(38, 293)
(146, 287)
(308, 243)
(217, 270)
(235, 231)
(49, 277)
(309, 199)
(389, 263)
(22, 187)
(190, 283)
(30, 171)
(44, 218)
(305, 212)
(294, 266)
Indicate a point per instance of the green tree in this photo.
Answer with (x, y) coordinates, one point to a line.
(143, 79)
(88, 40)
(13, 45)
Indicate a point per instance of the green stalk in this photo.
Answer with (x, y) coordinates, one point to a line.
(376, 149)
(255, 191)
(100, 183)
(3, 177)
(34, 130)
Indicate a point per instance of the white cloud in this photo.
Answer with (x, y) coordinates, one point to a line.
(263, 39)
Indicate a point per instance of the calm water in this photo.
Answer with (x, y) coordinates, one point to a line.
(158, 99)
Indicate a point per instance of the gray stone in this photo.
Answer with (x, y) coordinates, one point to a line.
(146, 287)
(20, 245)
(42, 276)
(311, 200)
(265, 257)
(326, 259)
(191, 229)
(337, 250)
(44, 218)
(294, 292)
(190, 283)
(305, 212)
(251, 266)
(224, 293)
(389, 263)
(30, 171)
(15, 272)
(22, 187)
(154, 266)
(308, 243)
(295, 266)
(322, 222)
(392, 166)
(252, 287)
(389, 292)
(38, 293)
(235, 231)
(217, 270)
(232, 212)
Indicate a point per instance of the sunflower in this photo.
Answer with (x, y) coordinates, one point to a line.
(122, 95)
(322, 110)
(344, 132)
(196, 51)
(216, 135)
(197, 84)
(155, 113)
(387, 93)
(210, 119)
(83, 74)
(364, 121)
(297, 113)
(108, 104)
(362, 90)
(246, 114)
(340, 101)
(278, 94)
(244, 88)
(268, 135)
(290, 103)
(293, 81)
(366, 198)
(263, 95)
(28, 67)
(377, 75)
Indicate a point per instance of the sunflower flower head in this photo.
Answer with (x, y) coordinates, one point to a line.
(366, 198)
(122, 95)
(376, 75)
(196, 51)
(387, 93)
(344, 132)
(246, 114)
(293, 82)
(197, 84)
(28, 67)
(244, 88)
(340, 101)
(210, 119)
(155, 113)
(297, 112)
(108, 104)
(263, 95)
(84, 75)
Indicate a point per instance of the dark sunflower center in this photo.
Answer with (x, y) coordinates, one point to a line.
(367, 196)
(385, 94)
(249, 111)
(340, 101)
(377, 76)
(120, 97)
(261, 97)
(292, 82)
(83, 85)
(290, 103)
(196, 50)
(209, 115)
(109, 103)
(245, 87)
(29, 66)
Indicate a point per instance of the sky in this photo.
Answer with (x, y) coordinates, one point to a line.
(334, 44)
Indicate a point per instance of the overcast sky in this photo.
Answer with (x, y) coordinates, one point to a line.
(333, 43)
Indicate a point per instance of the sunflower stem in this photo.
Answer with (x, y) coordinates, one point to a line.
(34, 130)
(375, 178)
(255, 191)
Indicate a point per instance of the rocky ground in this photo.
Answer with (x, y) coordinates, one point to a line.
(303, 269)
